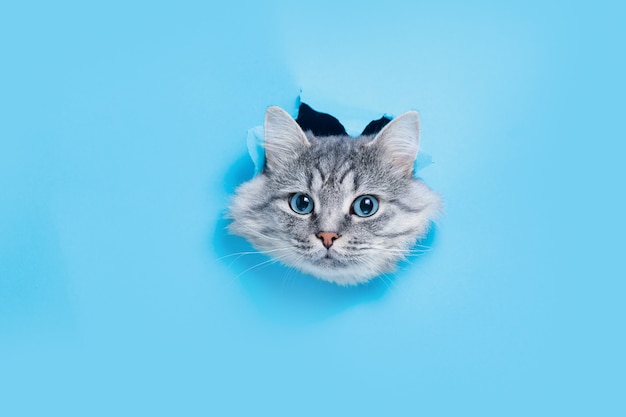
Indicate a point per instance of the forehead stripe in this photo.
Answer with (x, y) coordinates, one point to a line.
(343, 176)
(319, 169)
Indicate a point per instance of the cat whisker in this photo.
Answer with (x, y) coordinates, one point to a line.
(410, 252)
(388, 281)
(267, 253)
(400, 251)
(412, 249)
(289, 278)
(269, 261)
(260, 252)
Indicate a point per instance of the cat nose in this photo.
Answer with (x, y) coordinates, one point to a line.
(327, 238)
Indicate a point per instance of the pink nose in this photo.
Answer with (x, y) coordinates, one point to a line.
(327, 238)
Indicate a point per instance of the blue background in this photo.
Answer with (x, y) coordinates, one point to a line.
(122, 135)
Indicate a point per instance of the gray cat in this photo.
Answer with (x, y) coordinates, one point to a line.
(342, 209)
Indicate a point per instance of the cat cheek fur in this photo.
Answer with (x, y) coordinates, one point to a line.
(334, 171)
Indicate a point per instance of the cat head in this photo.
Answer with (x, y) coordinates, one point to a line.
(340, 208)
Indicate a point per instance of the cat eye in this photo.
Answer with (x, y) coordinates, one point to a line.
(365, 206)
(301, 203)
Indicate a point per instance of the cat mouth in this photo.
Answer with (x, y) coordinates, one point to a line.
(330, 254)
(331, 259)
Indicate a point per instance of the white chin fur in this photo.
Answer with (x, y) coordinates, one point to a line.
(344, 275)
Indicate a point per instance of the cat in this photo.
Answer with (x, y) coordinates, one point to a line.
(343, 209)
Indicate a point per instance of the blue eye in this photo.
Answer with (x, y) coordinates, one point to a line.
(365, 206)
(301, 203)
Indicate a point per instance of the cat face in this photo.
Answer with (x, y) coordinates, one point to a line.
(340, 208)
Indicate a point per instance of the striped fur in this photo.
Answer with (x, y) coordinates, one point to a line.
(334, 171)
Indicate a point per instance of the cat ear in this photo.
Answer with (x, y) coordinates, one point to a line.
(284, 139)
(399, 141)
